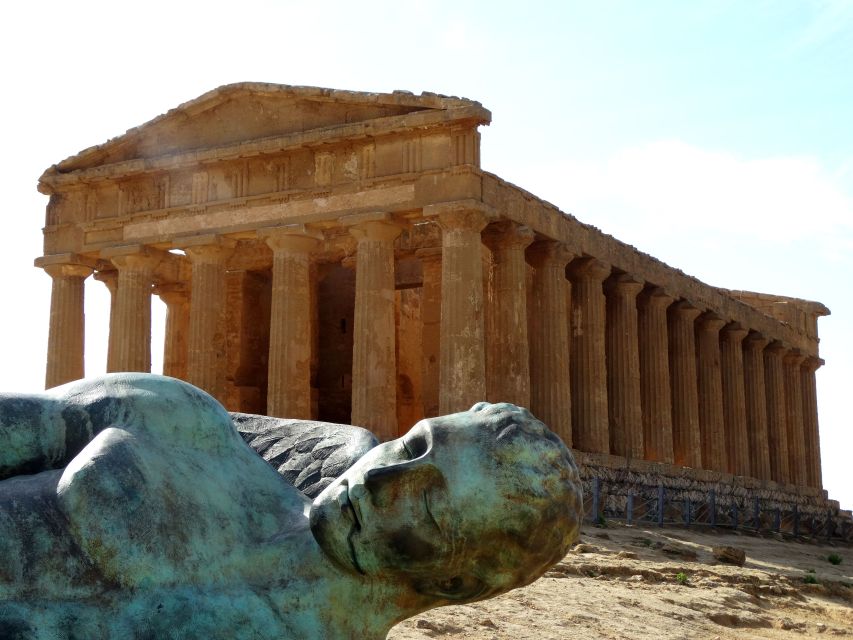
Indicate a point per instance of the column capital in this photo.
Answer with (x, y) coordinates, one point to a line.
(812, 363)
(172, 292)
(624, 284)
(755, 341)
(793, 358)
(108, 276)
(549, 252)
(710, 322)
(67, 270)
(506, 234)
(655, 297)
(776, 348)
(43, 262)
(136, 262)
(292, 238)
(685, 310)
(589, 268)
(733, 332)
(379, 230)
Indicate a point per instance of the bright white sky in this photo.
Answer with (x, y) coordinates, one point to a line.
(715, 136)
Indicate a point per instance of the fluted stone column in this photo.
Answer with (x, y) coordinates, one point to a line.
(289, 373)
(624, 409)
(431, 329)
(177, 301)
(734, 401)
(65, 341)
(777, 427)
(810, 422)
(462, 377)
(110, 280)
(508, 349)
(686, 435)
(711, 421)
(655, 393)
(132, 340)
(797, 465)
(374, 364)
(588, 362)
(550, 383)
(206, 351)
(756, 405)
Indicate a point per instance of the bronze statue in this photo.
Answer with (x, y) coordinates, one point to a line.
(132, 508)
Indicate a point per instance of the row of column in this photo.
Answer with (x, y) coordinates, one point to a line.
(611, 364)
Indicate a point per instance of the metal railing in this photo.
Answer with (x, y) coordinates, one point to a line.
(682, 507)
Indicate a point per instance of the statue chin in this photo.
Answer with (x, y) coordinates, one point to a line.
(332, 522)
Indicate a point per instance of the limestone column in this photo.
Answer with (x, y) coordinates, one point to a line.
(431, 329)
(686, 436)
(624, 409)
(110, 280)
(734, 401)
(711, 421)
(374, 365)
(289, 376)
(655, 393)
(777, 428)
(508, 350)
(462, 377)
(756, 405)
(791, 362)
(65, 341)
(550, 398)
(588, 365)
(132, 339)
(176, 298)
(206, 349)
(810, 422)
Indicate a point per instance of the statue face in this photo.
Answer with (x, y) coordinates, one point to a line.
(414, 505)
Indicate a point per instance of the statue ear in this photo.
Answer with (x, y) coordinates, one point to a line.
(462, 588)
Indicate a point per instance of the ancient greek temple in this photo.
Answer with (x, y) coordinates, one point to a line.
(342, 256)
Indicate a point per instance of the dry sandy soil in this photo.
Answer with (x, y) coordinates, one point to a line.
(623, 582)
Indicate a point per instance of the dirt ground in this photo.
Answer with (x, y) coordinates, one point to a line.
(638, 583)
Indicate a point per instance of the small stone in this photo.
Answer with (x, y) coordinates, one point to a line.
(627, 555)
(488, 623)
(584, 548)
(636, 578)
(821, 627)
(678, 550)
(729, 555)
(421, 623)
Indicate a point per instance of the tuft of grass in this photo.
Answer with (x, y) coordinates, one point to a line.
(682, 578)
(600, 522)
(834, 558)
(810, 578)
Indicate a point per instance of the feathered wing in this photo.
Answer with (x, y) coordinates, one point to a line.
(308, 454)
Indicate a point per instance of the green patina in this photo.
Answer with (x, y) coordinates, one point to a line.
(167, 525)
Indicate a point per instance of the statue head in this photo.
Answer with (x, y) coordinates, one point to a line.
(461, 508)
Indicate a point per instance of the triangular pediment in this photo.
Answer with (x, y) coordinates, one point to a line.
(244, 112)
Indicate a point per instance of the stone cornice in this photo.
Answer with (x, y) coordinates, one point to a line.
(54, 178)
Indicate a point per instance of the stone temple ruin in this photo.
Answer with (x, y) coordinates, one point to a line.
(318, 249)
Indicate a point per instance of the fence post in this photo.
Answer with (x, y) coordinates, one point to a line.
(777, 521)
(629, 509)
(596, 490)
(829, 525)
(660, 505)
(757, 512)
(735, 514)
(713, 500)
(796, 521)
(687, 511)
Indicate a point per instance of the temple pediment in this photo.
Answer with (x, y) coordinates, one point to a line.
(240, 114)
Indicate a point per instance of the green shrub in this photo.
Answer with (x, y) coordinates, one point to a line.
(834, 558)
(810, 578)
(681, 578)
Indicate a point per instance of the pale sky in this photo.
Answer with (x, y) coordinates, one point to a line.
(715, 136)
